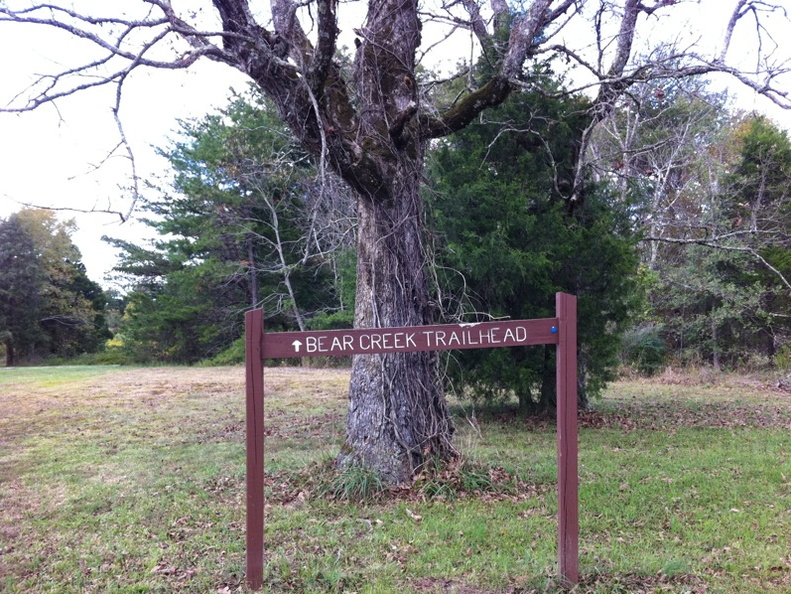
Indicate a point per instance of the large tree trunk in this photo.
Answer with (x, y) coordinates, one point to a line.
(397, 413)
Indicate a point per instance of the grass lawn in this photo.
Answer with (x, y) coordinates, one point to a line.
(132, 480)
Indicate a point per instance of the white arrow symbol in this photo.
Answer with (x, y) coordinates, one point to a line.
(296, 344)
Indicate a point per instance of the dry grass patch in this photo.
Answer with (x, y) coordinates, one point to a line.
(702, 398)
(132, 479)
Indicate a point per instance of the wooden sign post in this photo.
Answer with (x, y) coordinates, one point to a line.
(560, 330)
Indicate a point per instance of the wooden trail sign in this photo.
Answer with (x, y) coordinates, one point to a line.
(404, 340)
(560, 330)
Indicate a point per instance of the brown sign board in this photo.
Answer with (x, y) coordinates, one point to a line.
(477, 335)
(560, 330)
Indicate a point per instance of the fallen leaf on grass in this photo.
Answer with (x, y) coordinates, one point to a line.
(413, 515)
(164, 569)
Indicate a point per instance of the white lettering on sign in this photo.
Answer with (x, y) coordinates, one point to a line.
(462, 336)
(468, 335)
(385, 341)
(316, 344)
(327, 344)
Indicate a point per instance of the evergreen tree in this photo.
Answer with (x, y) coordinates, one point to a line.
(712, 307)
(48, 305)
(245, 225)
(507, 242)
(21, 276)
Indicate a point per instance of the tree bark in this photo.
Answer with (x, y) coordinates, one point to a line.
(397, 412)
(367, 129)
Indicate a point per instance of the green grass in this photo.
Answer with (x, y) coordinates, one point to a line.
(132, 480)
(48, 376)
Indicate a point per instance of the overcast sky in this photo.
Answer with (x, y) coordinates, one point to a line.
(58, 157)
(50, 157)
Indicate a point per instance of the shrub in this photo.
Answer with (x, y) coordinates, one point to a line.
(644, 349)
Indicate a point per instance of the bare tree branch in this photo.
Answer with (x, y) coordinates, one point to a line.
(716, 244)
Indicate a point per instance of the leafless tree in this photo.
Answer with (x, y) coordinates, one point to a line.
(670, 152)
(657, 149)
(323, 211)
(373, 127)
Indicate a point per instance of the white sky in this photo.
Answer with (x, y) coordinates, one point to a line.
(48, 157)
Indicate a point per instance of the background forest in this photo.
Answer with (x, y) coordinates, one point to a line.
(678, 250)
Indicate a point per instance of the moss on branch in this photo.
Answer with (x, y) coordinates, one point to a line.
(493, 93)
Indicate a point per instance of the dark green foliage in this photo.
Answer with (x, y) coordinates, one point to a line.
(74, 320)
(643, 348)
(176, 322)
(238, 231)
(21, 277)
(233, 355)
(508, 240)
(713, 306)
(48, 305)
